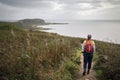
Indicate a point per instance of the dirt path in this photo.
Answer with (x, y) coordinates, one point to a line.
(90, 76)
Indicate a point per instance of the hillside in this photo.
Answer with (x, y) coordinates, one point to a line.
(36, 55)
(26, 23)
(107, 60)
(31, 23)
(32, 55)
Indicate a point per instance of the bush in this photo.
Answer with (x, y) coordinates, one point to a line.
(9, 26)
(107, 65)
(69, 69)
(33, 55)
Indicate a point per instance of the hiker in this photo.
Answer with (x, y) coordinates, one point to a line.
(88, 48)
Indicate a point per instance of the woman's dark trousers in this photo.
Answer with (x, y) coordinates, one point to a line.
(87, 61)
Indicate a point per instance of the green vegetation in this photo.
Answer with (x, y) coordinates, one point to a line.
(30, 24)
(70, 68)
(9, 26)
(107, 61)
(35, 55)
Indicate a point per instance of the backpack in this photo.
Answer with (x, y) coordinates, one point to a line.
(89, 46)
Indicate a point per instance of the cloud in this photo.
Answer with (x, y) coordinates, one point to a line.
(60, 9)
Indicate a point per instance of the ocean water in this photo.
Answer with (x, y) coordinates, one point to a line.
(100, 30)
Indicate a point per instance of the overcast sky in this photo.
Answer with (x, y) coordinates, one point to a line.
(60, 9)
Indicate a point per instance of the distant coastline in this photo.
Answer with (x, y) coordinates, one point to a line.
(31, 24)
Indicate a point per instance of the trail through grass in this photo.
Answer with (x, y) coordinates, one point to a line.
(36, 55)
(91, 75)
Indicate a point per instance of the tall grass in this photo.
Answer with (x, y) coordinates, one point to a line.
(28, 55)
(35, 55)
(108, 62)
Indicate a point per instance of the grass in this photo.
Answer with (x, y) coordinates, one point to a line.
(33, 55)
(108, 61)
(36, 55)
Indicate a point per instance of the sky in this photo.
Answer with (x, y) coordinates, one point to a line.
(60, 9)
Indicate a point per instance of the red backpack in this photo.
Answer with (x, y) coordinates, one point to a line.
(89, 46)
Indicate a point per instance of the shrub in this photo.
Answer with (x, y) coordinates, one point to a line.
(30, 55)
(107, 65)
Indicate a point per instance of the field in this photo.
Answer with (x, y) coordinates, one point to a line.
(37, 55)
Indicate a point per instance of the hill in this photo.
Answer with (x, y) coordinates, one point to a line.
(36, 55)
(30, 23)
(26, 23)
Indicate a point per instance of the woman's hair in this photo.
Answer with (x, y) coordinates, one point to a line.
(89, 36)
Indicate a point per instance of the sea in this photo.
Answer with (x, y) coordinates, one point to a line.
(103, 30)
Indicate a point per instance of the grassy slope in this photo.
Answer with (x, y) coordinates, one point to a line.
(30, 23)
(32, 55)
(107, 61)
(26, 55)
(26, 23)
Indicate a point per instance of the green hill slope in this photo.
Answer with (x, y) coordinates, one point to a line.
(26, 23)
(30, 23)
(107, 61)
(30, 55)
(35, 55)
